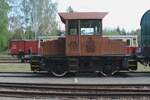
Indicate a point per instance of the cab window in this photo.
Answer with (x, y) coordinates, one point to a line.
(128, 42)
(90, 27)
(73, 27)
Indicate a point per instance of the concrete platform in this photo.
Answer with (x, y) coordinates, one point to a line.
(82, 79)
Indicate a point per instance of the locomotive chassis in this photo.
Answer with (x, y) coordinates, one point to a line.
(62, 65)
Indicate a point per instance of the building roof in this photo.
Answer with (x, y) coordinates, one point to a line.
(82, 15)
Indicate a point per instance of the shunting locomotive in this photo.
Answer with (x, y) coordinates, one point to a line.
(83, 49)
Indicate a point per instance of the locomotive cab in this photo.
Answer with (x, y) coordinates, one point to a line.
(85, 36)
(82, 27)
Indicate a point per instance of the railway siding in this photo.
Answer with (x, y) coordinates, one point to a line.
(72, 90)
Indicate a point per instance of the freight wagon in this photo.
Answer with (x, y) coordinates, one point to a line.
(83, 49)
(144, 54)
(20, 48)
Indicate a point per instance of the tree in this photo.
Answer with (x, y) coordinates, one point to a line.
(15, 15)
(4, 34)
(26, 10)
(4, 8)
(38, 15)
(118, 30)
(29, 34)
(123, 31)
(70, 10)
(18, 34)
(43, 16)
(112, 31)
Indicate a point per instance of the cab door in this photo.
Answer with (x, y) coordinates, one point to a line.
(72, 45)
(72, 38)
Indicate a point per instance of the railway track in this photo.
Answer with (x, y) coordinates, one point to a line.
(9, 60)
(74, 90)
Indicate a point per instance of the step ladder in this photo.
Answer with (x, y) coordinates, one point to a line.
(132, 63)
(73, 64)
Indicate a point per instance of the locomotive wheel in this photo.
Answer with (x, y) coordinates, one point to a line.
(107, 71)
(106, 74)
(59, 70)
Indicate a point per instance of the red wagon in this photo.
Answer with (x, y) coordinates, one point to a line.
(25, 47)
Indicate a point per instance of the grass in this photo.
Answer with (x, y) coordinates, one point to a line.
(4, 53)
(26, 67)
(143, 68)
(14, 67)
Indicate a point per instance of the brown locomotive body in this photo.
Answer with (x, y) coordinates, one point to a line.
(83, 46)
(83, 49)
(53, 47)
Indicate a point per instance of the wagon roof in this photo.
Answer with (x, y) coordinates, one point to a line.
(82, 15)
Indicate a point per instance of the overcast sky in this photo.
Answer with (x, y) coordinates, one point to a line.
(123, 13)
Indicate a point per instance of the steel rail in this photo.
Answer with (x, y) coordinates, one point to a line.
(140, 88)
(9, 60)
(30, 89)
(72, 84)
(71, 93)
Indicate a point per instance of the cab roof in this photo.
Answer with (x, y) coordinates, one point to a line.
(81, 15)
